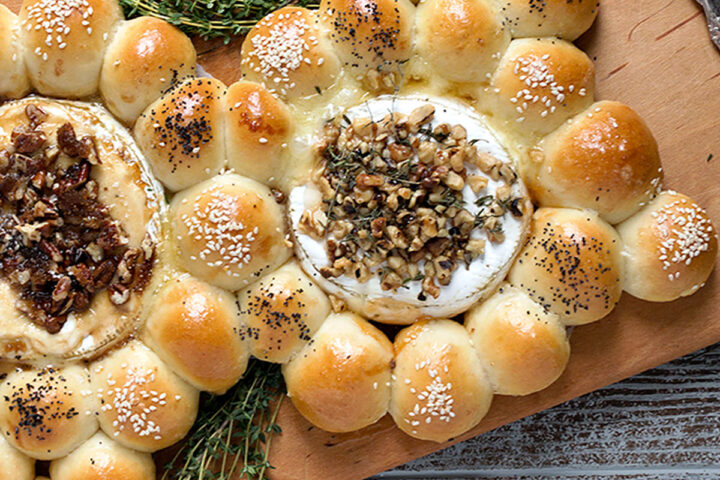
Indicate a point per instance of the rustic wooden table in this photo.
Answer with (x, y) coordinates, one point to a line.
(661, 424)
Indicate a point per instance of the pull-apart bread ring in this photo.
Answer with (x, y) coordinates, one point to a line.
(64, 43)
(14, 82)
(386, 146)
(670, 247)
(145, 58)
(463, 40)
(48, 412)
(605, 159)
(79, 240)
(101, 458)
(566, 19)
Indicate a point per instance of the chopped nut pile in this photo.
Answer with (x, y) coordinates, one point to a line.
(58, 243)
(393, 204)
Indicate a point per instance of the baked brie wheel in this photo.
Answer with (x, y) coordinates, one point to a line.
(443, 167)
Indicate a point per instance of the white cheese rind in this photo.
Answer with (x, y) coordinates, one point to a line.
(467, 285)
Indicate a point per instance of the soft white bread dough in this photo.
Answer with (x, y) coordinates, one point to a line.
(15, 465)
(571, 264)
(669, 247)
(48, 412)
(14, 82)
(145, 58)
(182, 134)
(100, 458)
(467, 286)
(370, 34)
(523, 347)
(566, 19)
(65, 42)
(229, 231)
(463, 40)
(289, 53)
(540, 83)
(281, 312)
(440, 389)
(340, 381)
(605, 159)
(195, 329)
(259, 127)
(145, 406)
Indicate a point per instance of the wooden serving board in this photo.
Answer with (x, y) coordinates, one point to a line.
(656, 56)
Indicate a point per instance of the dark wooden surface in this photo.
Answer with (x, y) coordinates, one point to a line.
(661, 424)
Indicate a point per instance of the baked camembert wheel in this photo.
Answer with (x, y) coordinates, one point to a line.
(443, 167)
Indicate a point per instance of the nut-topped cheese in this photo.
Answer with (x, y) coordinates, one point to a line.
(78, 228)
(414, 209)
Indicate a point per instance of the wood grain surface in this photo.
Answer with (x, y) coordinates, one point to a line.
(661, 424)
(654, 55)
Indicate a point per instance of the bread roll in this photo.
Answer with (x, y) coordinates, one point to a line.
(65, 41)
(604, 159)
(182, 134)
(47, 413)
(13, 464)
(523, 347)
(281, 312)
(195, 329)
(571, 264)
(340, 381)
(566, 19)
(462, 40)
(370, 34)
(540, 83)
(145, 406)
(229, 231)
(288, 53)
(259, 127)
(146, 57)
(670, 248)
(439, 387)
(103, 459)
(14, 82)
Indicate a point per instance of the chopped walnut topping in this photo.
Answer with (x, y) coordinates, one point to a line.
(393, 201)
(59, 244)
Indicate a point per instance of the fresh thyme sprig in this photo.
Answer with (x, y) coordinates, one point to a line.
(231, 436)
(209, 18)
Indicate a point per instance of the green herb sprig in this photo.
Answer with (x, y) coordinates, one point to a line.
(209, 18)
(232, 434)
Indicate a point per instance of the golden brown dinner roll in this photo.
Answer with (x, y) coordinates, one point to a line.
(566, 19)
(103, 459)
(340, 381)
(229, 231)
(605, 159)
(65, 41)
(47, 413)
(145, 406)
(523, 347)
(281, 312)
(14, 82)
(258, 129)
(462, 40)
(288, 53)
(13, 464)
(182, 134)
(145, 58)
(369, 34)
(540, 83)
(670, 248)
(439, 387)
(571, 264)
(195, 328)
